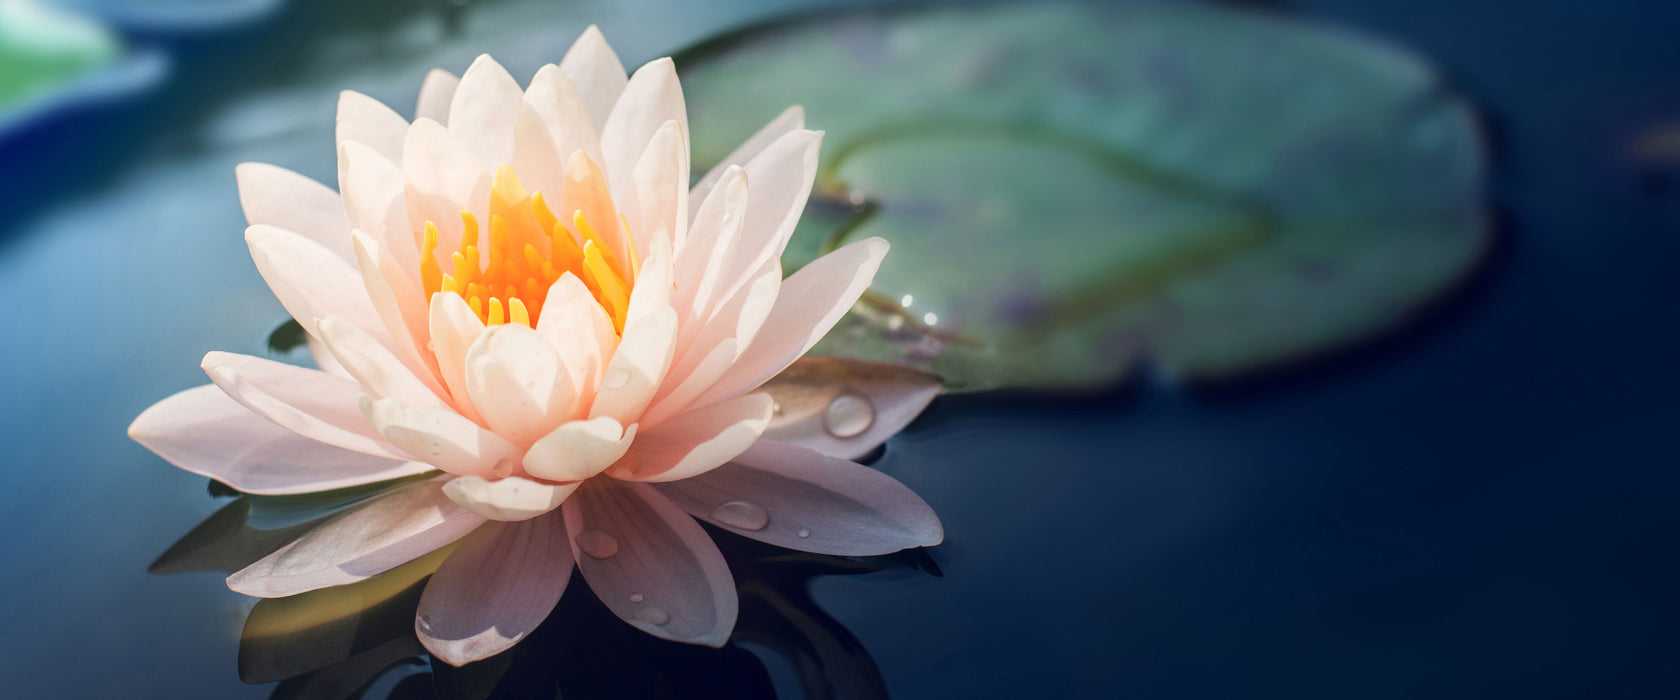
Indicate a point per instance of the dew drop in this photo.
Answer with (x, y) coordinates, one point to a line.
(636, 598)
(741, 514)
(597, 544)
(425, 624)
(431, 345)
(930, 318)
(803, 533)
(907, 301)
(616, 377)
(656, 616)
(848, 415)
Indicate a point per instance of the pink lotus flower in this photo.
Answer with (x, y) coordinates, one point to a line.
(520, 293)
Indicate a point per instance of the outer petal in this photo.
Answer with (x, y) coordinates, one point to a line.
(278, 197)
(511, 499)
(689, 379)
(661, 186)
(791, 119)
(367, 120)
(781, 178)
(579, 329)
(650, 563)
(373, 366)
(443, 438)
(308, 402)
(483, 110)
(375, 203)
(774, 492)
(443, 179)
(454, 327)
(579, 449)
(870, 401)
(497, 586)
(309, 280)
(552, 123)
(402, 307)
(810, 303)
(436, 92)
(637, 367)
(204, 432)
(698, 441)
(652, 97)
(702, 259)
(597, 73)
(389, 532)
(517, 384)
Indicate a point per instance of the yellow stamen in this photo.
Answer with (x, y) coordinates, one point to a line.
(430, 273)
(517, 312)
(614, 298)
(496, 318)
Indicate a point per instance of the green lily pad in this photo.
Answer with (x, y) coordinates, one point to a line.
(1072, 190)
(42, 48)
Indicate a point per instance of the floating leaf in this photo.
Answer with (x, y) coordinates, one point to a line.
(1072, 189)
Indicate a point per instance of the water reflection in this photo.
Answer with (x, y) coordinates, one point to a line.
(358, 640)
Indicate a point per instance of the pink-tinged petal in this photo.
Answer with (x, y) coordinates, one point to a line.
(739, 316)
(650, 563)
(846, 408)
(442, 438)
(370, 540)
(688, 379)
(698, 441)
(577, 327)
(323, 357)
(454, 328)
(791, 119)
(372, 366)
(281, 198)
(661, 185)
(811, 301)
(499, 584)
(367, 120)
(402, 307)
(585, 190)
(483, 110)
(637, 367)
(652, 97)
(781, 178)
(702, 259)
(508, 499)
(793, 497)
(309, 402)
(311, 281)
(579, 449)
(443, 178)
(436, 92)
(207, 433)
(515, 380)
(597, 73)
(552, 124)
(375, 203)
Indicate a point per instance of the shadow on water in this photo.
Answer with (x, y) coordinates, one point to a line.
(358, 640)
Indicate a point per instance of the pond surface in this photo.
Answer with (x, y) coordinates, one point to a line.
(1477, 502)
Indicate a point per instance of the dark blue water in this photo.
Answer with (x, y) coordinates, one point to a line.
(1485, 503)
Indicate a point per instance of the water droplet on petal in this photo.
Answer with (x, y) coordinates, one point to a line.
(425, 624)
(597, 544)
(848, 415)
(742, 514)
(803, 533)
(656, 616)
(636, 598)
(616, 377)
(431, 345)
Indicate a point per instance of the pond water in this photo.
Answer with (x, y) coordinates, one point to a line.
(1473, 501)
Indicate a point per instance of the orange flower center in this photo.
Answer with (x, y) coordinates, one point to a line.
(530, 248)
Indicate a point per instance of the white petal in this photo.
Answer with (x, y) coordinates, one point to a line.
(576, 325)
(781, 178)
(552, 123)
(323, 357)
(281, 198)
(373, 366)
(375, 202)
(483, 110)
(499, 584)
(512, 498)
(382, 535)
(436, 92)
(652, 97)
(205, 432)
(637, 367)
(517, 384)
(698, 441)
(402, 306)
(661, 186)
(597, 73)
(443, 179)
(579, 449)
(442, 438)
(789, 120)
(840, 507)
(309, 280)
(810, 303)
(454, 328)
(650, 563)
(688, 379)
(308, 402)
(367, 120)
(703, 258)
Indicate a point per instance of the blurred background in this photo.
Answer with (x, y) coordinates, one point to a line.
(1303, 348)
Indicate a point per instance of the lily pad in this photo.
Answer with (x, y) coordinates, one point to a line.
(1073, 190)
(42, 48)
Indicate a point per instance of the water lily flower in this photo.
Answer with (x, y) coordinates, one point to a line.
(521, 294)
